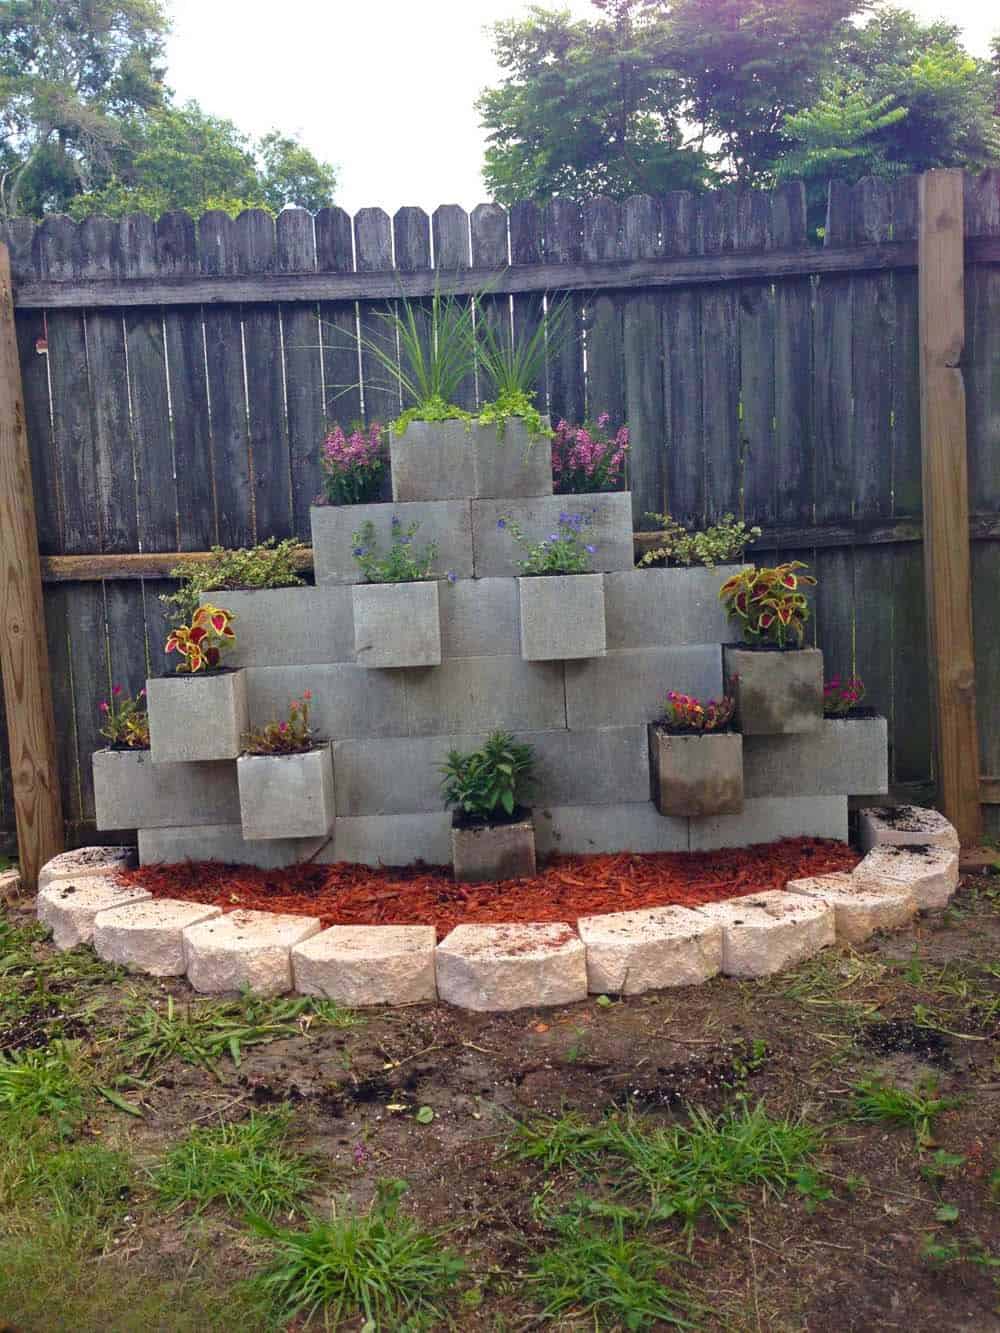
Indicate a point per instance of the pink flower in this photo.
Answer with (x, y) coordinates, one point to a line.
(116, 690)
(282, 727)
(104, 706)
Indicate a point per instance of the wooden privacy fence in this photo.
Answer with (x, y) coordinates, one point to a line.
(177, 379)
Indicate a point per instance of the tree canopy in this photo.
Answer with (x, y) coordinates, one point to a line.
(88, 125)
(651, 95)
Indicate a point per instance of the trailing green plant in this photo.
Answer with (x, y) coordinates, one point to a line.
(684, 714)
(768, 605)
(352, 466)
(841, 695)
(402, 563)
(202, 643)
(509, 405)
(589, 458)
(482, 782)
(562, 552)
(291, 735)
(125, 720)
(379, 1267)
(246, 1166)
(719, 544)
(269, 564)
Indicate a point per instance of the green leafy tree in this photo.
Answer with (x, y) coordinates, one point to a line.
(70, 72)
(290, 174)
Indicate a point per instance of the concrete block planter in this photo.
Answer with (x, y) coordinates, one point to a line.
(770, 931)
(696, 775)
(69, 907)
(776, 692)
(904, 826)
(459, 460)
(860, 906)
(397, 624)
(494, 969)
(286, 795)
(365, 965)
(562, 617)
(130, 791)
(496, 556)
(447, 523)
(245, 951)
(632, 952)
(148, 936)
(197, 717)
(486, 853)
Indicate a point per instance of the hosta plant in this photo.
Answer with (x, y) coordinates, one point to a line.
(352, 465)
(125, 723)
(402, 563)
(565, 551)
(482, 784)
(683, 713)
(841, 694)
(768, 605)
(720, 544)
(291, 735)
(202, 643)
(590, 457)
(270, 564)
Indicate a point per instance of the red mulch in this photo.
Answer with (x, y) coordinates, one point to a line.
(567, 888)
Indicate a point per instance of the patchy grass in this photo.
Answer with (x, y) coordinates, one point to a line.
(890, 1105)
(47, 1082)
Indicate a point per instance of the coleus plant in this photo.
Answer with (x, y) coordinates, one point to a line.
(202, 643)
(768, 604)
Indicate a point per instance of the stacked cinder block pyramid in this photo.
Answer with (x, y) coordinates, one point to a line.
(391, 726)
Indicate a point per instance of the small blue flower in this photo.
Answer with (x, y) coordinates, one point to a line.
(360, 550)
(451, 576)
(405, 541)
(553, 536)
(564, 517)
(501, 522)
(590, 549)
(396, 520)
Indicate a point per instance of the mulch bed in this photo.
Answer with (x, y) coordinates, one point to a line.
(567, 888)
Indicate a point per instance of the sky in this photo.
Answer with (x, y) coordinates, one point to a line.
(383, 89)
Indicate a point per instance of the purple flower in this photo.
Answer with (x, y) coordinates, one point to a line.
(451, 576)
(360, 550)
(590, 549)
(553, 536)
(396, 520)
(501, 522)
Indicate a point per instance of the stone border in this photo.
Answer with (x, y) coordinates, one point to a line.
(490, 968)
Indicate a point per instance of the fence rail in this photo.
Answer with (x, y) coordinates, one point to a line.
(178, 379)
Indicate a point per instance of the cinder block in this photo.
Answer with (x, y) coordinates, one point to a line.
(498, 968)
(130, 791)
(394, 776)
(84, 862)
(582, 829)
(148, 936)
(904, 826)
(391, 840)
(696, 775)
(447, 523)
(287, 795)
(777, 693)
(479, 618)
(511, 465)
(69, 907)
(666, 608)
(765, 819)
(771, 931)
(347, 700)
(197, 717)
(365, 965)
(291, 626)
(475, 694)
(860, 906)
(245, 951)
(454, 460)
(849, 755)
(628, 688)
(610, 530)
(632, 952)
(221, 842)
(397, 624)
(489, 853)
(603, 766)
(562, 616)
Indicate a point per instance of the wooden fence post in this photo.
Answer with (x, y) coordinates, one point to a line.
(947, 556)
(24, 658)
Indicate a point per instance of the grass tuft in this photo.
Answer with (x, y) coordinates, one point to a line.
(46, 1082)
(885, 1103)
(380, 1266)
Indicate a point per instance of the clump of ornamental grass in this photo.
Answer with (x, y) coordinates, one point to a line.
(402, 563)
(720, 544)
(565, 551)
(125, 722)
(352, 466)
(289, 735)
(270, 564)
(841, 695)
(683, 714)
(510, 366)
(590, 457)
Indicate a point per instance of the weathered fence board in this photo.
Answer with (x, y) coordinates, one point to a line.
(179, 377)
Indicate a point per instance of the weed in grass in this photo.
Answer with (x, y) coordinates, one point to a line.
(379, 1265)
(42, 1083)
(885, 1103)
(681, 1172)
(245, 1166)
(942, 1166)
(615, 1280)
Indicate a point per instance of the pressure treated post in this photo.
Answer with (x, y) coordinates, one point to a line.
(24, 658)
(947, 556)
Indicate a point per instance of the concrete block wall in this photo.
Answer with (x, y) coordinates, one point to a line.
(587, 719)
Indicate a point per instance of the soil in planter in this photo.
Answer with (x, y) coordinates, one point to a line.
(497, 819)
(859, 713)
(567, 888)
